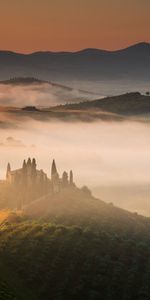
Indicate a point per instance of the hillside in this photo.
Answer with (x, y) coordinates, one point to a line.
(75, 247)
(35, 81)
(75, 206)
(90, 65)
(33, 91)
(130, 104)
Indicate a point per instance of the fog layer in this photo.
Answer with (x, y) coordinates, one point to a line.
(42, 95)
(108, 157)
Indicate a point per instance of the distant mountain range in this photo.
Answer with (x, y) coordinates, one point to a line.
(132, 63)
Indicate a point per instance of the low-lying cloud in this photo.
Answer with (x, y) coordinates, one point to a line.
(40, 95)
(109, 157)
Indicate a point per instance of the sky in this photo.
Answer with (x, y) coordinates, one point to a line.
(33, 25)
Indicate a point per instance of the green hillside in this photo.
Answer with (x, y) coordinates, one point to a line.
(74, 250)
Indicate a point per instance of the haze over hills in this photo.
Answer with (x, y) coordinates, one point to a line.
(128, 67)
(117, 108)
(129, 104)
(33, 91)
(80, 107)
(68, 244)
(80, 207)
(75, 150)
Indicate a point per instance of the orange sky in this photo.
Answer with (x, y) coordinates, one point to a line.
(32, 25)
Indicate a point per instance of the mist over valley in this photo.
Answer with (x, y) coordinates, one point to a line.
(75, 150)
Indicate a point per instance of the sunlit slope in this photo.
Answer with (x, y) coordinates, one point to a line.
(77, 207)
(4, 215)
(104, 255)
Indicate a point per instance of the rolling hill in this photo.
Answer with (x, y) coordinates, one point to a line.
(78, 206)
(39, 92)
(130, 104)
(74, 246)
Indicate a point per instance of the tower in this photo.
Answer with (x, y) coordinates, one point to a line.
(29, 162)
(24, 166)
(33, 170)
(53, 169)
(55, 178)
(8, 171)
(65, 179)
(33, 164)
(71, 178)
(29, 171)
(24, 175)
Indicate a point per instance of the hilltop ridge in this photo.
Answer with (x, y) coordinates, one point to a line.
(140, 45)
(131, 63)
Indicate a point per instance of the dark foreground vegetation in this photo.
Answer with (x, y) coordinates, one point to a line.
(98, 253)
